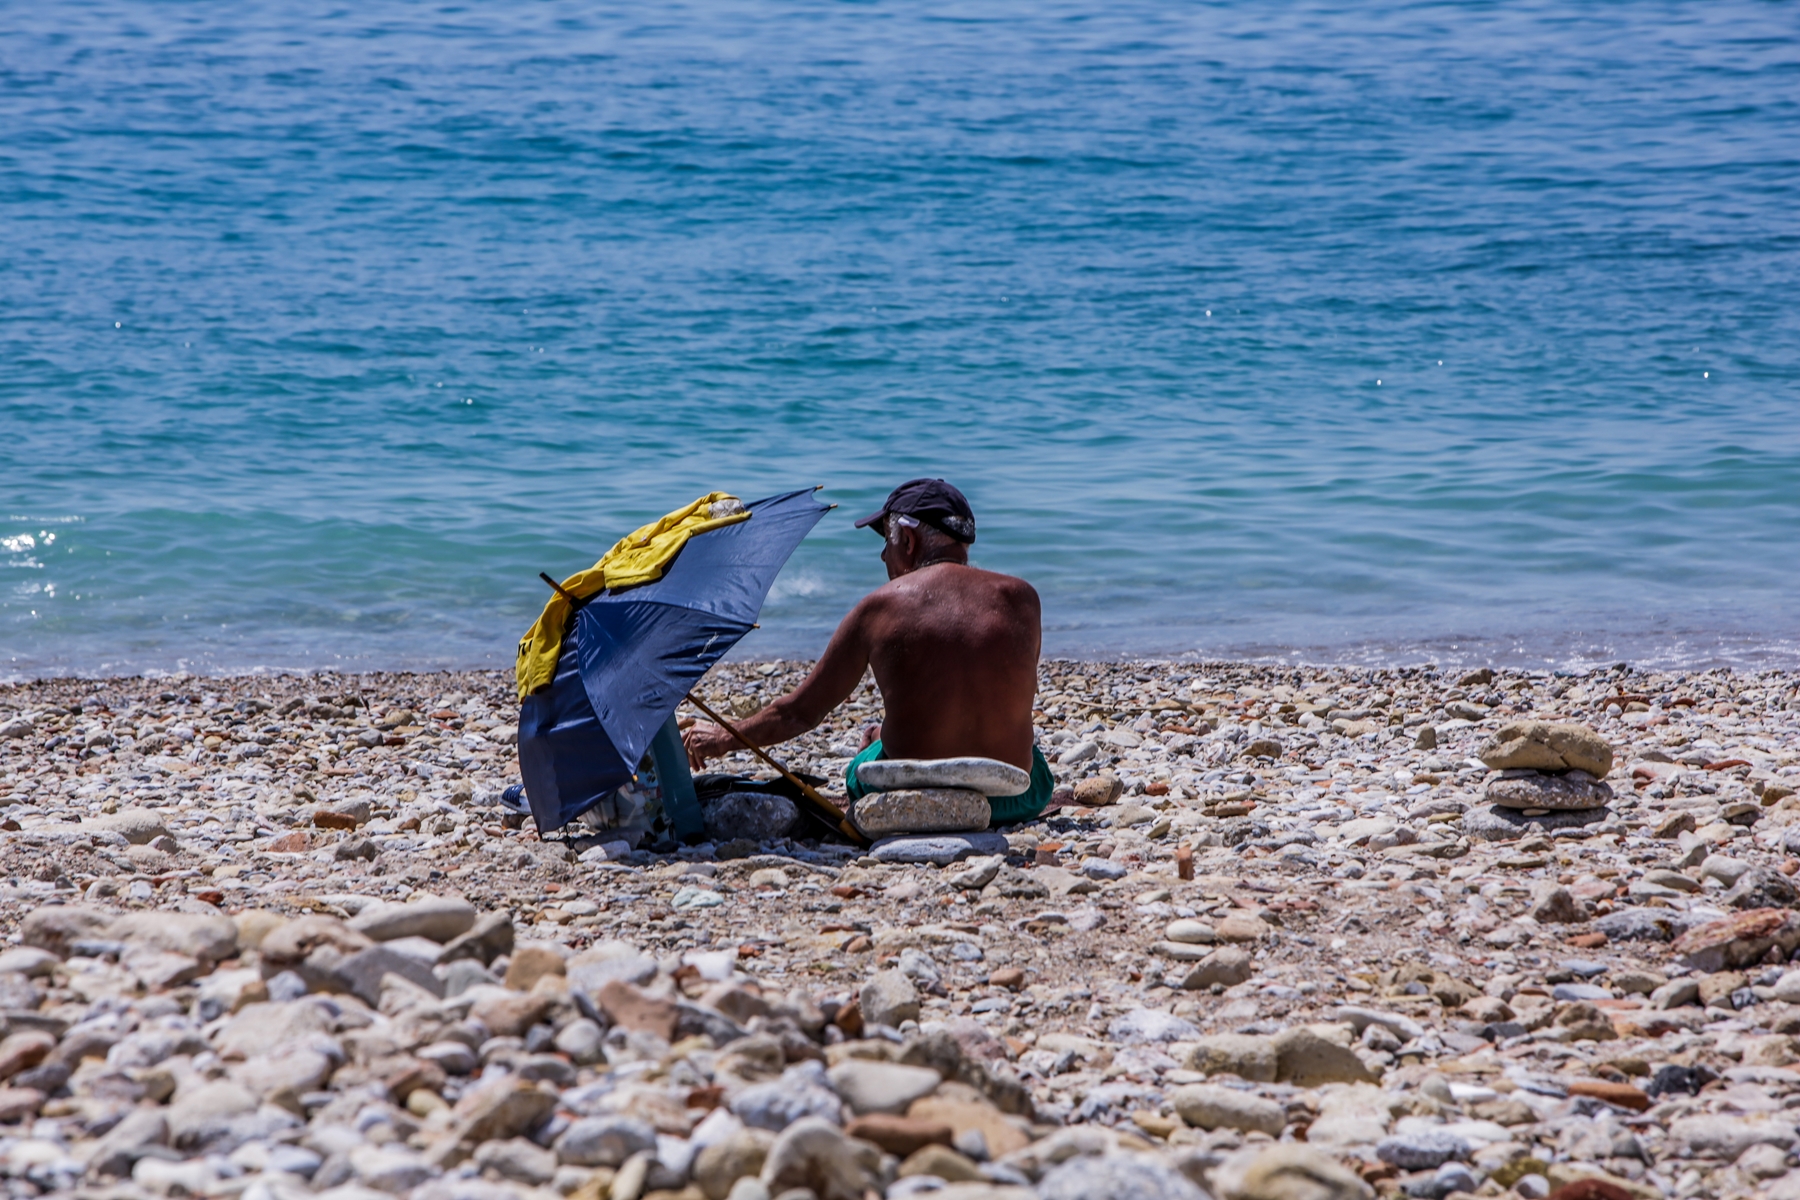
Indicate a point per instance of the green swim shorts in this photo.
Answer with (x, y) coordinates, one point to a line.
(1006, 809)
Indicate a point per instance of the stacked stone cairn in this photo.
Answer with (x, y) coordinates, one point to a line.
(945, 795)
(1550, 775)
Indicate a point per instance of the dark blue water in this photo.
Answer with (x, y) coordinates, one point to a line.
(1342, 332)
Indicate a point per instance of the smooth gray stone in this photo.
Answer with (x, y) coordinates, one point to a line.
(1103, 868)
(758, 816)
(984, 775)
(489, 938)
(1646, 924)
(1580, 991)
(803, 1090)
(1117, 1177)
(361, 973)
(637, 969)
(1761, 888)
(1490, 823)
(1423, 1150)
(1576, 791)
(692, 1020)
(1587, 968)
(604, 1141)
(939, 848)
(464, 974)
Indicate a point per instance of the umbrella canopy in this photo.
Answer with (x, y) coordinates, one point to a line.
(631, 656)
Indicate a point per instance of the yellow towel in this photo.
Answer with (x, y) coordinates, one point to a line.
(639, 558)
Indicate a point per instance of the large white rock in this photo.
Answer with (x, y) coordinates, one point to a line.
(883, 1087)
(984, 775)
(921, 810)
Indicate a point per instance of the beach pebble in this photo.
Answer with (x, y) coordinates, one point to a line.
(604, 1141)
(1248, 1056)
(984, 775)
(1571, 791)
(1226, 966)
(1190, 931)
(1208, 1107)
(1116, 1177)
(803, 1090)
(1496, 823)
(815, 1154)
(756, 816)
(1547, 746)
(1097, 791)
(1287, 1172)
(1328, 939)
(939, 849)
(925, 810)
(889, 998)
(1149, 1025)
(878, 1087)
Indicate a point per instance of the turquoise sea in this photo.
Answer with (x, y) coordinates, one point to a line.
(1358, 332)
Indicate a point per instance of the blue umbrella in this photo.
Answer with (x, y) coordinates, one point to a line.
(630, 657)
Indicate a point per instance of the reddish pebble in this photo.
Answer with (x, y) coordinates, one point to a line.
(1184, 862)
(1790, 866)
(706, 1097)
(849, 1018)
(1621, 1094)
(290, 843)
(1588, 941)
(1591, 1189)
(1007, 977)
(858, 945)
(1156, 787)
(899, 1136)
(17, 1103)
(326, 819)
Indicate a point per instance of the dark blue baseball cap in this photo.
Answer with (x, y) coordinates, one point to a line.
(932, 501)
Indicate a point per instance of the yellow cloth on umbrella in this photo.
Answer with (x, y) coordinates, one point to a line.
(641, 557)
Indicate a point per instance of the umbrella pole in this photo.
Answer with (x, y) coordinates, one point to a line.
(806, 789)
(562, 591)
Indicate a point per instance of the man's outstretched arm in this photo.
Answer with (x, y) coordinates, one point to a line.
(833, 678)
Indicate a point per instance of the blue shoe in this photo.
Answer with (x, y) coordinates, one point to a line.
(513, 800)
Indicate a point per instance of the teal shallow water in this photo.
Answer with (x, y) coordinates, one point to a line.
(1340, 332)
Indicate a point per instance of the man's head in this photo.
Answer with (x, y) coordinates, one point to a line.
(924, 521)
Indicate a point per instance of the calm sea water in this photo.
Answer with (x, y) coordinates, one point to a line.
(1353, 332)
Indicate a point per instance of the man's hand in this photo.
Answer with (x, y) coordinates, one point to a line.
(704, 740)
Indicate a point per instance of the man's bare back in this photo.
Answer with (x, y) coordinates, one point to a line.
(954, 649)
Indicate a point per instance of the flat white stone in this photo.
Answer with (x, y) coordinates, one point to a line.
(984, 775)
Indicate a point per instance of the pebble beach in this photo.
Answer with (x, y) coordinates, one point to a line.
(1284, 934)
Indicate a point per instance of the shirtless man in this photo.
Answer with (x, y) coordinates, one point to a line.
(954, 650)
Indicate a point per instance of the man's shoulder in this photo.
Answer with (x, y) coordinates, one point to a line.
(1009, 585)
(918, 586)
